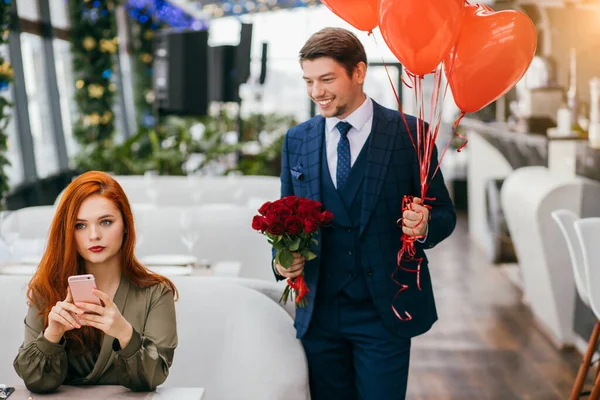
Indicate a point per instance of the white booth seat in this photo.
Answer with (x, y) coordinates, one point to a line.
(13, 303)
(529, 195)
(24, 233)
(30, 222)
(235, 342)
(221, 232)
(193, 191)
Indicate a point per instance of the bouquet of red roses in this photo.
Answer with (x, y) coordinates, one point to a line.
(290, 224)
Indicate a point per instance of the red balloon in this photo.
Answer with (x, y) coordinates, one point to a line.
(361, 14)
(493, 52)
(420, 33)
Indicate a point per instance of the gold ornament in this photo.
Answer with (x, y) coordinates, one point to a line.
(106, 118)
(108, 46)
(146, 58)
(148, 35)
(79, 84)
(95, 91)
(112, 87)
(93, 119)
(89, 43)
(6, 69)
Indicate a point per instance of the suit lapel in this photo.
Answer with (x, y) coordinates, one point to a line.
(313, 145)
(383, 136)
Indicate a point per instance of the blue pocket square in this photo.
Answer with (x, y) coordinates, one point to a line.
(297, 172)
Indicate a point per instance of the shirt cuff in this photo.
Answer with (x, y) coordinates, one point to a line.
(424, 238)
(135, 343)
(49, 348)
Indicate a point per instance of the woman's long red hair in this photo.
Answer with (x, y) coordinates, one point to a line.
(61, 260)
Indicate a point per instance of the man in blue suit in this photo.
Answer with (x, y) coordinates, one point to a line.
(358, 160)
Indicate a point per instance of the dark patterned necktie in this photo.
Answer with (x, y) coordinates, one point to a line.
(343, 154)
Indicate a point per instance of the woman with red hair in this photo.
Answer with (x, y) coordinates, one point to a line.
(130, 339)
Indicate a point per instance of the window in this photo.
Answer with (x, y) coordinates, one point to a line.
(28, 9)
(40, 117)
(66, 88)
(59, 14)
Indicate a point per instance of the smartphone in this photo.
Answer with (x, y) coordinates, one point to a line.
(6, 391)
(81, 289)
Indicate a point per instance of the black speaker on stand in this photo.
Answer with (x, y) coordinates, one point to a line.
(180, 76)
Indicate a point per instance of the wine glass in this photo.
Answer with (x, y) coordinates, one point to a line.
(6, 235)
(188, 234)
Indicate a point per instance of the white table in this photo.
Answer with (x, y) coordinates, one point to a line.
(109, 392)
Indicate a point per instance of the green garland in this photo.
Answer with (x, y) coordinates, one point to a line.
(94, 43)
(6, 76)
(142, 48)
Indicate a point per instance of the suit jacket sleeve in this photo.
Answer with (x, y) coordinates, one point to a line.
(286, 188)
(443, 215)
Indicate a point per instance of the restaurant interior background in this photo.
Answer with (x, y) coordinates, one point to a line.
(209, 88)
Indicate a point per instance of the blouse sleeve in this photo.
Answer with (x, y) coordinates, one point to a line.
(146, 359)
(40, 363)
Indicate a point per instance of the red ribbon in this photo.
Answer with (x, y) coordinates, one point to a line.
(425, 143)
(298, 285)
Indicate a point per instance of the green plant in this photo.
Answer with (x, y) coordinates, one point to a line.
(6, 76)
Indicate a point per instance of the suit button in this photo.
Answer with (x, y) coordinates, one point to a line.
(351, 275)
(329, 274)
(349, 230)
(350, 252)
(370, 272)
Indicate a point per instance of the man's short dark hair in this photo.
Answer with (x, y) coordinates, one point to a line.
(337, 43)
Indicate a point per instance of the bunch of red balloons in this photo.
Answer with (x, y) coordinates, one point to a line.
(484, 53)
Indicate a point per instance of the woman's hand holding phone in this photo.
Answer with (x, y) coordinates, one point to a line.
(61, 319)
(108, 318)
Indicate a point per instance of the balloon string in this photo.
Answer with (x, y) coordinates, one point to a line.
(394, 90)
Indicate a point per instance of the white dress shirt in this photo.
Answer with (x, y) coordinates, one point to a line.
(362, 122)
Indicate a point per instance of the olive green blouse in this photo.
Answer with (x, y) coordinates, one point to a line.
(141, 366)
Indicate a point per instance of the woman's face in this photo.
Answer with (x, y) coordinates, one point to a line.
(99, 230)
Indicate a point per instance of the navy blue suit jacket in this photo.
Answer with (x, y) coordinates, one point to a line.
(392, 172)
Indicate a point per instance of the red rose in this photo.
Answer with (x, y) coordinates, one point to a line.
(313, 205)
(326, 217)
(294, 225)
(264, 208)
(290, 201)
(259, 223)
(276, 228)
(272, 215)
(285, 213)
(304, 211)
(310, 226)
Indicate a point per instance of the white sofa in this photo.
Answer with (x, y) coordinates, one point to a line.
(233, 341)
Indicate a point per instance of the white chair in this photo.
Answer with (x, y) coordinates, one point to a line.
(236, 343)
(588, 232)
(566, 220)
